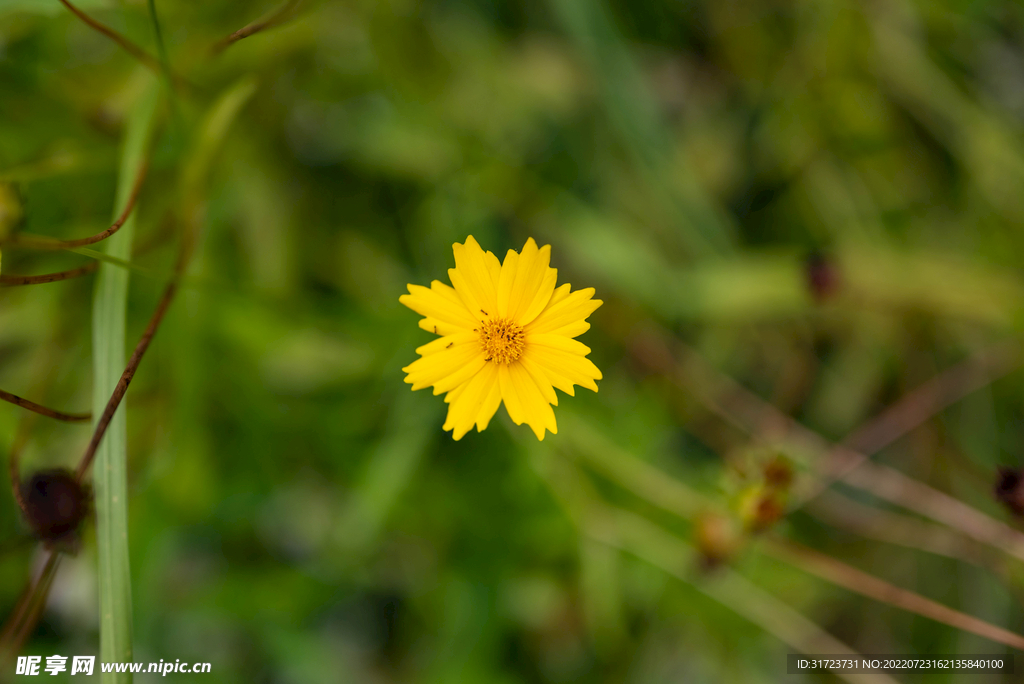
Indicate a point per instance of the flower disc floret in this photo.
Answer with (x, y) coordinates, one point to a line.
(502, 340)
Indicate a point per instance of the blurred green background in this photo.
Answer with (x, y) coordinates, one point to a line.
(298, 515)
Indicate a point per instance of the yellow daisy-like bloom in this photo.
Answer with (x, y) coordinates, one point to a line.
(506, 335)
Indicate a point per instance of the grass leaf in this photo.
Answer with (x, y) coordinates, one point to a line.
(109, 473)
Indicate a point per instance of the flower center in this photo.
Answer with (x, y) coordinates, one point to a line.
(502, 340)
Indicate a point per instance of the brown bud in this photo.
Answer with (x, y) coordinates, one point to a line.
(55, 504)
(1010, 489)
(822, 275)
(769, 510)
(716, 538)
(778, 473)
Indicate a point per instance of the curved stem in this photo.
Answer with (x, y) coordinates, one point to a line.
(913, 409)
(131, 48)
(846, 576)
(278, 17)
(53, 243)
(222, 112)
(128, 46)
(126, 377)
(13, 281)
(30, 606)
(890, 527)
(42, 410)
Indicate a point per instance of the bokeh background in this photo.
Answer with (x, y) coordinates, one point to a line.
(820, 202)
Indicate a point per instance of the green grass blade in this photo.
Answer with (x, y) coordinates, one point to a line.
(109, 471)
(161, 48)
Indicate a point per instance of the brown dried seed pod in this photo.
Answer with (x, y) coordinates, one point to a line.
(55, 504)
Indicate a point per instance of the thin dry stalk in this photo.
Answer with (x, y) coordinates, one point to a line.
(30, 604)
(639, 537)
(37, 602)
(42, 410)
(150, 62)
(741, 407)
(917, 406)
(657, 487)
(12, 281)
(128, 375)
(633, 534)
(895, 487)
(860, 582)
(844, 513)
(282, 14)
(37, 242)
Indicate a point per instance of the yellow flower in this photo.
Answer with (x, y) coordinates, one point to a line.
(506, 335)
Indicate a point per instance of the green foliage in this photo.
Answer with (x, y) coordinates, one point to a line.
(295, 513)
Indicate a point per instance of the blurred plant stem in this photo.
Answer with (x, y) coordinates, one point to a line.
(278, 17)
(43, 278)
(631, 473)
(161, 48)
(849, 577)
(30, 607)
(588, 446)
(745, 410)
(43, 410)
(146, 59)
(110, 478)
(845, 513)
(48, 243)
(629, 531)
(626, 531)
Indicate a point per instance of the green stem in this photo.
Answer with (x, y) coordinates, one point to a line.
(110, 473)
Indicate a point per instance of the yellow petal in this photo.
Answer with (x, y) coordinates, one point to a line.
(564, 368)
(506, 279)
(510, 395)
(533, 285)
(573, 329)
(475, 276)
(448, 342)
(464, 410)
(554, 376)
(460, 376)
(571, 309)
(541, 298)
(540, 377)
(440, 327)
(558, 342)
(445, 369)
(537, 412)
(560, 293)
(455, 393)
(440, 302)
(490, 404)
